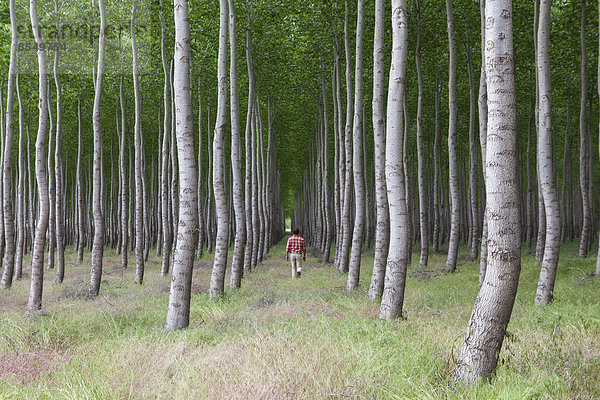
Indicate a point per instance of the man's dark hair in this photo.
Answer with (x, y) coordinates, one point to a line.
(296, 231)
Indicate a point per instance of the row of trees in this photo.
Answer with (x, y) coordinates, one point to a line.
(403, 199)
(184, 186)
(160, 198)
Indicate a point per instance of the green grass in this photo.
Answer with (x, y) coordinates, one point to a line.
(278, 338)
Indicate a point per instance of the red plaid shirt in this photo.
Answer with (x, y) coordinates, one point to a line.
(296, 245)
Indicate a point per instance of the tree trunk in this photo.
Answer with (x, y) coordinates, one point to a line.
(51, 194)
(359, 185)
(473, 167)
(248, 265)
(437, 173)
(98, 245)
(397, 261)
(545, 161)
(494, 303)
(483, 127)
(584, 183)
(20, 191)
(346, 223)
(237, 263)
(178, 315)
(9, 227)
(139, 168)
(452, 157)
(423, 220)
(217, 281)
(58, 172)
(80, 221)
(37, 256)
(382, 226)
(124, 190)
(167, 225)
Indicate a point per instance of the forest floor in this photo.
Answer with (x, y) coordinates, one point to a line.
(283, 338)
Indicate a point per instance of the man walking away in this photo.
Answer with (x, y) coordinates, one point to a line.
(296, 252)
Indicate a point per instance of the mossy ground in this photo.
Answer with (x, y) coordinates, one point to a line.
(278, 338)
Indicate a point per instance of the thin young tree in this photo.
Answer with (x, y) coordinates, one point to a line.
(139, 168)
(397, 259)
(37, 256)
(58, 167)
(217, 281)
(423, 221)
(545, 152)
(584, 183)
(494, 303)
(483, 112)
(452, 157)
(178, 315)
(97, 194)
(9, 227)
(348, 179)
(382, 226)
(359, 185)
(20, 190)
(167, 226)
(237, 263)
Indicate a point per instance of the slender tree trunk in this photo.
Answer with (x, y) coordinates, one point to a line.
(51, 238)
(452, 157)
(248, 149)
(494, 303)
(37, 257)
(545, 161)
(584, 183)
(346, 223)
(124, 179)
(139, 168)
(201, 230)
(423, 222)
(178, 315)
(217, 281)
(9, 227)
(167, 225)
(58, 172)
(483, 128)
(79, 189)
(237, 264)
(437, 173)
(20, 191)
(529, 199)
(473, 167)
(597, 272)
(98, 244)
(359, 186)
(397, 261)
(382, 227)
